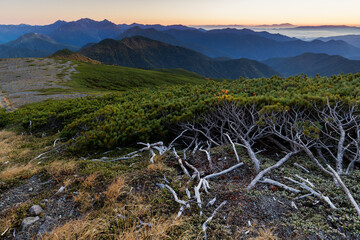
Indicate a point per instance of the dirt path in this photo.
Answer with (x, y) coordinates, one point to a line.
(2, 101)
(28, 80)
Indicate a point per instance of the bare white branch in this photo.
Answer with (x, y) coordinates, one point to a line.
(181, 163)
(208, 156)
(346, 190)
(315, 193)
(224, 171)
(300, 166)
(276, 183)
(234, 147)
(265, 171)
(204, 226)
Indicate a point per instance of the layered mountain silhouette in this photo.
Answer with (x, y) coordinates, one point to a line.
(351, 39)
(165, 37)
(312, 64)
(12, 32)
(141, 52)
(83, 31)
(245, 43)
(78, 32)
(219, 43)
(32, 45)
(154, 26)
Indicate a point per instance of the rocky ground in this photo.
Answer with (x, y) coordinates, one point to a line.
(65, 196)
(28, 80)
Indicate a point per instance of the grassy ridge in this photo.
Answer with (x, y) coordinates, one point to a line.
(115, 78)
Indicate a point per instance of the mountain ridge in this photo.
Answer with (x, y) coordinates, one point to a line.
(245, 43)
(312, 64)
(32, 45)
(141, 52)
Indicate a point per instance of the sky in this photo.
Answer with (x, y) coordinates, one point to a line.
(187, 12)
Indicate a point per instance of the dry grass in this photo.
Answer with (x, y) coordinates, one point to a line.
(156, 166)
(98, 229)
(158, 229)
(10, 142)
(84, 200)
(137, 206)
(90, 180)
(114, 190)
(266, 234)
(6, 219)
(17, 170)
(79, 229)
(60, 168)
(8, 216)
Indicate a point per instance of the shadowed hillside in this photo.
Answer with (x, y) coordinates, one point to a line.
(145, 53)
(32, 45)
(312, 64)
(67, 54)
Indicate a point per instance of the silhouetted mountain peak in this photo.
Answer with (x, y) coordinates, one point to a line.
(85, 20)
(31, 36)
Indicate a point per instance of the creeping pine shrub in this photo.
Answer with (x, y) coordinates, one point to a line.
(149, 115)
(4, 118)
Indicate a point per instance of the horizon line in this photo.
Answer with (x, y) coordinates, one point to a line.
(201, 25)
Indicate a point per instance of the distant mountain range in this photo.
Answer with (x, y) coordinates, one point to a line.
(141, 52)
(218, 53)
(231, 43)
(12, 32)
(78, 32)
(351, 39)
(245, 43)
(81, 32)
(32, 45)
(312, 64)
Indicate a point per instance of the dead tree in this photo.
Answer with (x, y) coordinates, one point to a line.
(340, 132)
(231, 123)
(267, 170)
(240, 125)
(296, 127)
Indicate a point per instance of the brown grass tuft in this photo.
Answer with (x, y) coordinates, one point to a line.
(84, 200)
(10, 142)
(156, 166)
(159, 229)
(18, 170)
(9, 218)
(90, 180)
(60, 168)
(114, 190)
(79, 229)
(266, 234)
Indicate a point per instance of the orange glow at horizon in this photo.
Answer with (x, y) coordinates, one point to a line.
(186, 12)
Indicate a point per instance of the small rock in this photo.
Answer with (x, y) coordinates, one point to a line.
(31, 189)
(28, 221)
(47, 226)
(35, 210)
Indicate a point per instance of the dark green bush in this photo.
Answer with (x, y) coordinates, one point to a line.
(4, 118)
(147, 115)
